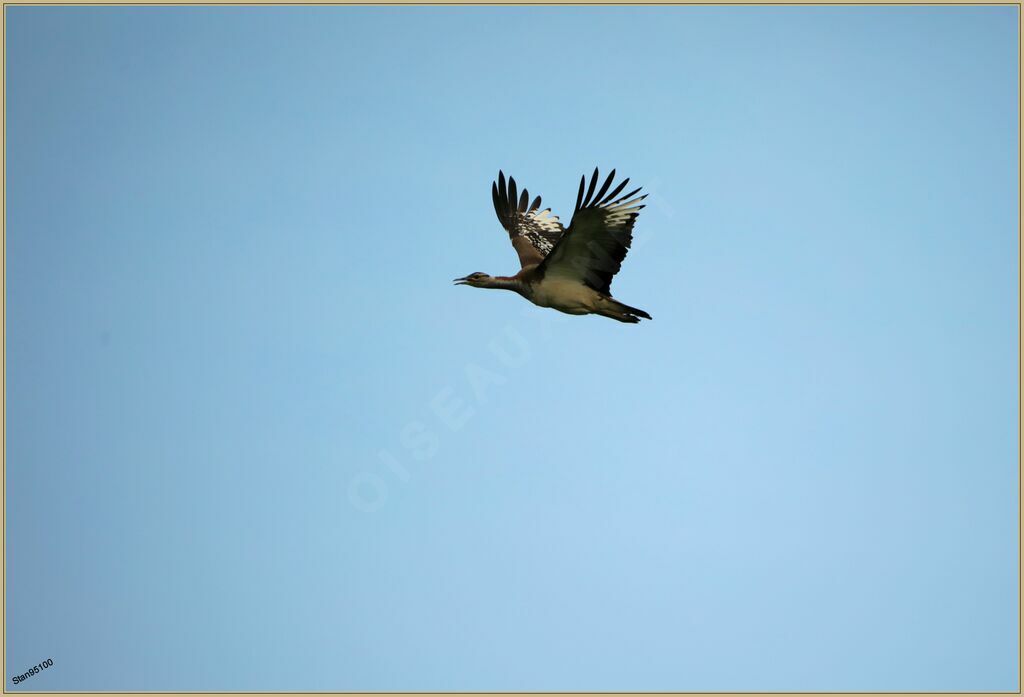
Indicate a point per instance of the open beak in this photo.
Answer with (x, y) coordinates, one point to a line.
(460, 281)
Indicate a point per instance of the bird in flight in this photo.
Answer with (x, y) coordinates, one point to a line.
(568, 270)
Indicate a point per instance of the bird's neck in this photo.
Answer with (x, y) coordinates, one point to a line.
(504, 282)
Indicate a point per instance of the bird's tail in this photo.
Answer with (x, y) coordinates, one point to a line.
(623, 312)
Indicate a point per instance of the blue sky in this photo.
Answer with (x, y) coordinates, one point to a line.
(257, 440)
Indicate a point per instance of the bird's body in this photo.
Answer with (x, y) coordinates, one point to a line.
(567, 270)
(566, 296)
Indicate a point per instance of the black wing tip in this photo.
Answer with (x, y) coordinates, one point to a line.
(590, 189)
(601, 198)
(630, 195)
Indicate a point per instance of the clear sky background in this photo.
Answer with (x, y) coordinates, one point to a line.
(257, 440)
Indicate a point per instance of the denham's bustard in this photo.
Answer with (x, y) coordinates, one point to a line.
(568, 270)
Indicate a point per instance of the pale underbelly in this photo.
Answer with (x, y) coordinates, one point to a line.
(571, 297)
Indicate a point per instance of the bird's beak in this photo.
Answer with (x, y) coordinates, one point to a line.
(460, 281)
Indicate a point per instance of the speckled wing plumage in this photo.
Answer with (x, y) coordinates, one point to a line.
(592, 249)
(533, 231)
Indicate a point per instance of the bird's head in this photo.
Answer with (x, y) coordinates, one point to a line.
(477, 278)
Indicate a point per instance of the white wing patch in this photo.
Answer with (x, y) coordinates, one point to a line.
(533, 231)
(541, 228)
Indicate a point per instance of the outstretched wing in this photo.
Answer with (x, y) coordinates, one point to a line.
(533, 232)
(592, 249)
